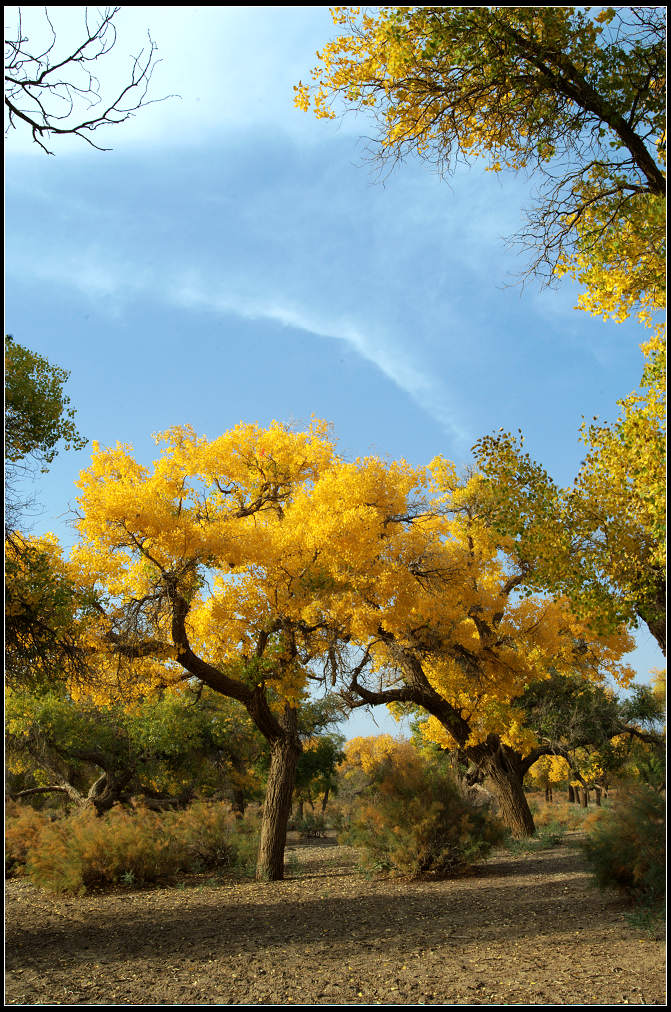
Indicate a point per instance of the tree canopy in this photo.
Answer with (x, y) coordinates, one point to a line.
(260, 560)
(601, 541)
(38, 419)
(577, 98)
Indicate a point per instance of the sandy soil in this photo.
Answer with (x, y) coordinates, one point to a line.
(528, 930)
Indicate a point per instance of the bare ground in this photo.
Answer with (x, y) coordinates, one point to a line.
(528, 930)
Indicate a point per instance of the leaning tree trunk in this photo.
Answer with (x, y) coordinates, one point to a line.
(506, 774)
(284, 754)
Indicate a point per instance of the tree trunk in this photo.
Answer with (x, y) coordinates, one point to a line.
(584, 797)
(571, 794)
(507, 784)
(597, 796)
(284, 754)
(325, 800)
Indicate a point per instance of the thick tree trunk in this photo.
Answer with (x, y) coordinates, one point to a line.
(284, 754)
(506, 777)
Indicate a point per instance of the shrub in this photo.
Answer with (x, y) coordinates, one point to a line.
(202, 835)
(413, 821)
(140, 847)
(85, 851)
(23, 825)
(311, 825)
(626, 848)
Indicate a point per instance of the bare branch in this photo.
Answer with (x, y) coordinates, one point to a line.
(52, 97)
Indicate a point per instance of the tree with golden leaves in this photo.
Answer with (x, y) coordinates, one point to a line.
(210, 566)
(261, 558)
(573, 97)
(442, 623)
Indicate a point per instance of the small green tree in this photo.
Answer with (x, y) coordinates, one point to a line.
(41, 599)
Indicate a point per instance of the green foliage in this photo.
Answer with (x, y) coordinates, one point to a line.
(159, 746)
(571, 711)
(42, 612)
(37, 415)
(413, 821)
(316, 771)
(602, 540)
(40, 601)
(626, 847)
(74, 854)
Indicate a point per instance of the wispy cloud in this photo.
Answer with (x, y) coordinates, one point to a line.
(109, 284)
(381, 350)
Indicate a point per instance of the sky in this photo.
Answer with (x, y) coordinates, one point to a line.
(234, 259)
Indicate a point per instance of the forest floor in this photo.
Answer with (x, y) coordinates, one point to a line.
(525, 929)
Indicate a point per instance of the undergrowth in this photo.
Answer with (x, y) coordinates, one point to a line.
(81, 852)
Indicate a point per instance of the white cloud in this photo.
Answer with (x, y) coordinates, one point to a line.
(228, 67)
(379, 349)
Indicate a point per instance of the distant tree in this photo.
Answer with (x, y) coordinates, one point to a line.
(53, 90)
(316, 772)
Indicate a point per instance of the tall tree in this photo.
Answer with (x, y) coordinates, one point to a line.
(198, 567)
(576, 98)
(433, 601)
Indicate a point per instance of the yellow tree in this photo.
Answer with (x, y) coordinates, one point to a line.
(576, 98)
(211, 564)
(431, 599)
(187, 554)
(255, 557)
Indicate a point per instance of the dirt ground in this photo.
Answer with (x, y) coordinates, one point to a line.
(528, 930)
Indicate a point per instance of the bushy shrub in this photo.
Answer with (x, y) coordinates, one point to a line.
(202, 836)
(626, 847)
(23, 825)
(140, 847)
(413, 821)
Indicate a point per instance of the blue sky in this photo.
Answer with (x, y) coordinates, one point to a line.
(232, 258)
